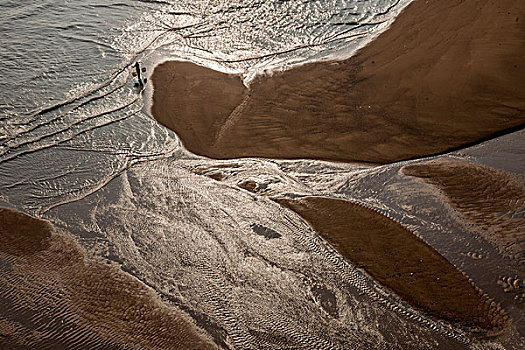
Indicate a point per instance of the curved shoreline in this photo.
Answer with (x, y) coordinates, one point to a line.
(395, 257)
(54, 296)
(445, 74)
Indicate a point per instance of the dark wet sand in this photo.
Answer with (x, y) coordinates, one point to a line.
(447, 73)
(54, 297)
(490, 201)
(401, 261)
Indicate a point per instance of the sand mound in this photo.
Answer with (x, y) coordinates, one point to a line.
(195, 101)
(22, 235)
(399, 260)
(52, 296)
(447, 73)
(490, 201)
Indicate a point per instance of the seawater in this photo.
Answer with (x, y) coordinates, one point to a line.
(78, 147)
(66, 85)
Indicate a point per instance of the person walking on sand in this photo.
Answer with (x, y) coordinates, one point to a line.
(137, 69)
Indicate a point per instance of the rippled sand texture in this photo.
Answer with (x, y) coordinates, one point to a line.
(197, 99)
(53, 297)
(398, 259)
(447, 73)
(490, 201)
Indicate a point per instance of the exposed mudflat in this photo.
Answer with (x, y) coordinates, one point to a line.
(315, 236)
(398, 259)
(489, 201)
(52, 296)
(444, 75)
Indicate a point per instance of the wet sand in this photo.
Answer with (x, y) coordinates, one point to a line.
(489, 201)
(445, 74)
(52, 296)
(194, 101)
(401, 261)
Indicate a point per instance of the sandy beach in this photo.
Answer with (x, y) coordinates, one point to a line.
(399, 260)
(488, 200)
(445, 74)
(52, 295)
(324, 197)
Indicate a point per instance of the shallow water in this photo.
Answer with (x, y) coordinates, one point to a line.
(68, 80)
(61, 49)
(78, 147)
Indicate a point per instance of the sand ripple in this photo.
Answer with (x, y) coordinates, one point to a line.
(53, 296)
(398, 259)
(491, 202)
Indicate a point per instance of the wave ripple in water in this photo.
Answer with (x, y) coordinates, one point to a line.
(71, 123)
(69, 83)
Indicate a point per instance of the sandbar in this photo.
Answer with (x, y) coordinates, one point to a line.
(401, 261)
(489, 201)
(445, 74)
(52, 296)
